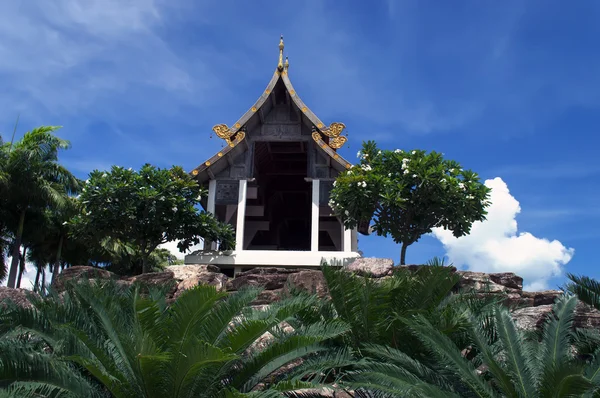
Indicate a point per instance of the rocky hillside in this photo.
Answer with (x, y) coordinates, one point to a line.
(530, 307)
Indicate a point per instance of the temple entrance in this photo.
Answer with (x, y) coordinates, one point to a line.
(278, 207)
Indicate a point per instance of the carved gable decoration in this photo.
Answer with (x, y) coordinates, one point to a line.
(278, 130)
(227, 192)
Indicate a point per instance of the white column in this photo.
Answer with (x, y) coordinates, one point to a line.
(347, 245)
(241, 216)
(314, 225)
(210, 208)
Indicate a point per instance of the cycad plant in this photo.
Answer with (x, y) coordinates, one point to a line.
(127, 342)
(374, 309)
(512, 365)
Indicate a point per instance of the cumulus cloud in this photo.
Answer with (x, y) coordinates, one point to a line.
(495, 245)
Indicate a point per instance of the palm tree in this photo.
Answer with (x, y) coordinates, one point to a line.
(512, 365)
(35, 179)
(206, 343)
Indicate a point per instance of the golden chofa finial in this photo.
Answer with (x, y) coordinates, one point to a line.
(280, 64)
(287, 63)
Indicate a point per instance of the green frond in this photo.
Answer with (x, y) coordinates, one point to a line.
(586, 288)
(557, 335)
(516, 362)
(448, 356)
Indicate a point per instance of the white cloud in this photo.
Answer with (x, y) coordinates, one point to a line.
(495, 245)
(172, 247)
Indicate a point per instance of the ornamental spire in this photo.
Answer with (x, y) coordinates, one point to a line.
(280, 64)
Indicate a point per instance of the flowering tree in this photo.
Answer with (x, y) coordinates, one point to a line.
(406, 194)
(145, 209)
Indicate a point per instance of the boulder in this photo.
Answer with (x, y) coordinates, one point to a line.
(188, 276)
(80, 272)
(311, 281)
(371, 267)
(542, 298)
(531, 318)
(16, 296)
(586, 317)
(490, 283)
(268, 278)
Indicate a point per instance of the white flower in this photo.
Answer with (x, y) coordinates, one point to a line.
(366, 155)
(451, 170)
(379, 153)
(358, 154)
(65, 223)
(87, 181)
(366, 167)
(398, 151)
(413, 152)
(389, 174)
(414, 176)
(461, 185)
(358, 184)
(346, 212)
(364, 184)
(175, 208)
(406, 172)
(104, 175)
(130, 169)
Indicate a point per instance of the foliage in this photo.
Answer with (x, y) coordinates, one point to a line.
(134, 345)
(511, 366)
(33, 180)
(586, 288)
(406, 194)
(374, 309)
(145, 209)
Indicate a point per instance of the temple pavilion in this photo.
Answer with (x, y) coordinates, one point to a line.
(272, 181)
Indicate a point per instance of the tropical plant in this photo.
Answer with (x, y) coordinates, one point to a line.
(375, 309)
(34, 180)
(128, 342)
(406, 194)
(586, 288)
(510, 365)
(145, 209)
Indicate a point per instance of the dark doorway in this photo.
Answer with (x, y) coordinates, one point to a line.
(279, 209)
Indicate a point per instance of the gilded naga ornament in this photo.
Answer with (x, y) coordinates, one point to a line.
(334, 131)
(231, 137)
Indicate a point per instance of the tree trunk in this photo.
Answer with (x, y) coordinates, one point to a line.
(57, 261)
(43, 285)
(12, 276)
(37, 279)
(21, 266)
(144, 263)
(403, 253)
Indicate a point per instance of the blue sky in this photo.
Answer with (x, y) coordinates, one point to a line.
(508, 89)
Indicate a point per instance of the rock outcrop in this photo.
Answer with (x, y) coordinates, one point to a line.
(529, 308)
(16, 296)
